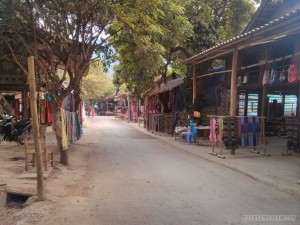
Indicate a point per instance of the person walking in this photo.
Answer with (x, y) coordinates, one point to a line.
(93, 113)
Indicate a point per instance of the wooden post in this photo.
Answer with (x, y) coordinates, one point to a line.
(35, 125)
(233, 94)
(264, 102)
(213, 139)
(221, 135)
(194, 82)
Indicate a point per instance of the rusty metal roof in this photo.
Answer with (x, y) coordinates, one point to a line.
(165, 86)
(240, 38)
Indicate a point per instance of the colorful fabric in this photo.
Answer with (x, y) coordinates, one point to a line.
(230, 132)
(49, 110)
(292, 126)
(63, 130)
(249, 130)
(197, 114)
(214, 127)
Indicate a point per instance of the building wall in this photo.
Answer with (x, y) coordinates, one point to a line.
(222, 109)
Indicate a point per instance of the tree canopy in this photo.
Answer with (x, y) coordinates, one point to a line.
(145, 45)
(97, 84)
(154, 43)
(60, 34)
(149, 37)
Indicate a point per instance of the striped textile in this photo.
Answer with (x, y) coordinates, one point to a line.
(230, 132)
(292, 126)
(214, 126)
(249, 130)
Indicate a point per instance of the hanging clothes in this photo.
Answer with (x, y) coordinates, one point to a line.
(292, 127)
(249, 131)
(73, 119)
(215, 124)
(133, 112)
(49, 110)
(64, 136)
(230, 133)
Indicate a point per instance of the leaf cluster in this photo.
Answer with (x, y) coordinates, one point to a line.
(149, 33)
(97, 84)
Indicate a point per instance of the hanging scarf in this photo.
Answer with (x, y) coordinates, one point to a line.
(63, 131)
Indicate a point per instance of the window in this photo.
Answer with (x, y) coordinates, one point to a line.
(242, 98)
(252, 107)
(290, 105)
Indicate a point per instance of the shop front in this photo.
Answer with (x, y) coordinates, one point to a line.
(161, 106)
(261, 74)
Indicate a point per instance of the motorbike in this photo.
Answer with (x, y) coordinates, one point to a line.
(276, 128)
(14, 130)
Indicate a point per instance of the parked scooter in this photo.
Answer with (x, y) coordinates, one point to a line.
(276, 128)
(14, 130)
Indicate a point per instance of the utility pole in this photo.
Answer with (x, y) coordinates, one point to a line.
(35, 125)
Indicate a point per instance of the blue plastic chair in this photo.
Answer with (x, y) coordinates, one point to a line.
(189, 134)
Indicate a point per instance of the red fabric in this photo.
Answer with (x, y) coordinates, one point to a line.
(293, 71)
(49, 111)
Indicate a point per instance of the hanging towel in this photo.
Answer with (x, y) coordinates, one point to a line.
(63, 131)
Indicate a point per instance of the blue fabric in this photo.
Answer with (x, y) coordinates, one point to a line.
(193, 129)
(249, 130)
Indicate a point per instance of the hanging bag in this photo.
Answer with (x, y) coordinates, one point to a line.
(274, 74)
(266, 76)
(245, 78)
(282, 76)
(293, 71)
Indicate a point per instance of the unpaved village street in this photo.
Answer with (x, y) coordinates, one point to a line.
(133, 178)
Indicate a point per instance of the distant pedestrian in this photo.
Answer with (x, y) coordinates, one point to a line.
(93, 113)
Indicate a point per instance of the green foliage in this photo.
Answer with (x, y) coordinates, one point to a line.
(216, 21)
(150, 37)
(60, 34)
(149, 31)
(97, 84)
(154, 36)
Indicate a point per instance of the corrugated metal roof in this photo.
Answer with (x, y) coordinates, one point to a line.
(262, 15)
(165, 86)
(252, 32)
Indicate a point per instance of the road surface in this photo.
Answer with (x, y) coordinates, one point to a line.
(133, 178)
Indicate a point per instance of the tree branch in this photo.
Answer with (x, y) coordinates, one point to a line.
(17, 61)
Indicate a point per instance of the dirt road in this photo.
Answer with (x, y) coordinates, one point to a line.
(120, 175)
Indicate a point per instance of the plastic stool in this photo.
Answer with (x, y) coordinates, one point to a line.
(188, 136)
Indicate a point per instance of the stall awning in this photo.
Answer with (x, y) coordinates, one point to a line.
(171, 84)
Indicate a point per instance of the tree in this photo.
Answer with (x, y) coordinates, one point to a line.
(65, 34)
(160, 38)
(217, 21)
(145, 46)
(97, 84)
(59, 34)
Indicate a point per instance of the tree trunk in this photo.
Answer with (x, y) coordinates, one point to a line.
(77, 100)
(35, 126)
(64, 156)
